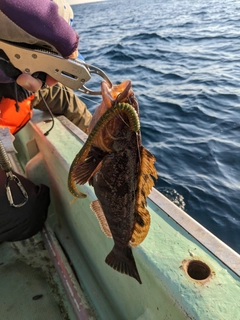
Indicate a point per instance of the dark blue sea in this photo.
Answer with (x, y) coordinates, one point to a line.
(183, 58)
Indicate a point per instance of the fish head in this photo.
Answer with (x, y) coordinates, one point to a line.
(118, 93)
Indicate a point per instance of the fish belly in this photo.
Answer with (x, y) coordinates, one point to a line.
(115, 187)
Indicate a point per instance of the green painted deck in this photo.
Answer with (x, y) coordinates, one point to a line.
(30, 288)
(174, 241)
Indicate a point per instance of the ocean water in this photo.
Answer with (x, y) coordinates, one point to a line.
(183, 58)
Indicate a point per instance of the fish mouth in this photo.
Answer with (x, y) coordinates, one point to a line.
(117, 93)
(125, 93)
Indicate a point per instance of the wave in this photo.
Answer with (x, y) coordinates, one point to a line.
(185, 73)
(146, 36)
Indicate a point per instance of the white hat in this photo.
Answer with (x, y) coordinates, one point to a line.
(65, 10)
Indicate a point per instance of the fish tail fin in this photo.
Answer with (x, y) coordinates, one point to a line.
(123, 261)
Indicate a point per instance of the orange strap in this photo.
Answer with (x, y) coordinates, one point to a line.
(13, 119)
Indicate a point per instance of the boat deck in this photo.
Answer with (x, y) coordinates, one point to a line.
(30, 287)
(186, 272)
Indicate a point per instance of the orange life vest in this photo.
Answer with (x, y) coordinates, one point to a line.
(13, 119)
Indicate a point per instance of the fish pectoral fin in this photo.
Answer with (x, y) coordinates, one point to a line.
(97, 209)
(85, 170)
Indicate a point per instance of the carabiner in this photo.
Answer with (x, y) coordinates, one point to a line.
(12, 177)
(5, 164)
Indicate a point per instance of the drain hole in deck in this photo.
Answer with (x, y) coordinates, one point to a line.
(198, 270)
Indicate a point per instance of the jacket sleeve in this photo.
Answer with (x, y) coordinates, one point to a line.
(39, 19)
(62, 101)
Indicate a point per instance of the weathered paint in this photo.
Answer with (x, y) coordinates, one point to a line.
(167, 291)
(30, 287)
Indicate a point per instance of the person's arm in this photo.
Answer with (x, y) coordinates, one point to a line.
(62, 101)
(37, 22)
(39, 19)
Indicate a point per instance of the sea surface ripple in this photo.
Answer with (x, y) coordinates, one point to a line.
(183, 58)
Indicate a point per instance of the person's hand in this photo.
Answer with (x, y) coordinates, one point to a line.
(33, 84)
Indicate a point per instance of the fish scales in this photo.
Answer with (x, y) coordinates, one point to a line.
(120, 170)
(115, 186)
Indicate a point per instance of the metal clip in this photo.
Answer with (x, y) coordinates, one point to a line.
(94, 70)
(5, 164)
(72, 73)
(12, 177)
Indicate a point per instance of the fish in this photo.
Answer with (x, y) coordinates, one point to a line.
(121, 171)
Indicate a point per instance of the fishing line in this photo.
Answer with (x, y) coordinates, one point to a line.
(82, 97)
(137, 133)
(16, 96)
(119, 115)
(91, 100)
(49, 110)
(139, 153)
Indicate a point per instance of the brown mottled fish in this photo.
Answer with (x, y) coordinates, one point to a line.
(120, 169)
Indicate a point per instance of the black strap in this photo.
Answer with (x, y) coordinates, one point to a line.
(21, 223)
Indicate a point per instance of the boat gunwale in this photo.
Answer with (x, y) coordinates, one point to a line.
(218, 248)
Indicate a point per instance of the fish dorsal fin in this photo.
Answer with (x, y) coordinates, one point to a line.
(97, 209)
(145, 184)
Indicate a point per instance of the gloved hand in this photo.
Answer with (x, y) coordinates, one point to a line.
(42, 23)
